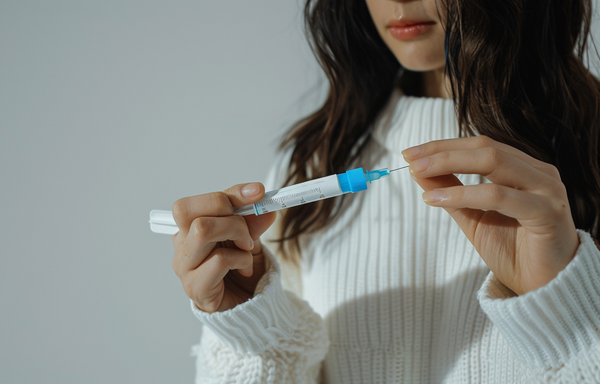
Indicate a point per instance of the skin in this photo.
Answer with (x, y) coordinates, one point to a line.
(218, 256)
(520, 224)
(424, 53)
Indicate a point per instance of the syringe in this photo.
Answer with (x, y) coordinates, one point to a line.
(351, 181)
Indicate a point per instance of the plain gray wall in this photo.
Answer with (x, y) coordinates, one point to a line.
(109, 109)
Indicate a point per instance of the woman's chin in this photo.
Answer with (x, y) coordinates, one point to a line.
(419, 65)
(418, 57)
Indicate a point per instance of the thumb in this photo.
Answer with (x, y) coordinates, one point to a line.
(244, 194)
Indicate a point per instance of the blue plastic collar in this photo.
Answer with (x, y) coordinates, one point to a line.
(353, 180)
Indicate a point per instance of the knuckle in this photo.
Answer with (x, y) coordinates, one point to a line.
(552, 170)
(496, 193)
(178, 266)
(483, 141)
(175, 264)
(442, 157)
(433, 146)
(559, 206)
(221, 260)
(189, 289)
(180, 208)
(202, 227)
(562, 189)
(554, 188)
(241, 224)
(219, 199)
(240, 220)
(494, 156)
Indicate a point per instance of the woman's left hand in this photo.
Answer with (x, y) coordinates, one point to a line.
(520, 224)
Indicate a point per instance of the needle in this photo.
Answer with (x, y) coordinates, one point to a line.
(399, 168)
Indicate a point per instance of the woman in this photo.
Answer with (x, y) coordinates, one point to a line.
(501, 285)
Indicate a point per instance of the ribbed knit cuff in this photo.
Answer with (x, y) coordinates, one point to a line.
(549, 326)
(260, 322)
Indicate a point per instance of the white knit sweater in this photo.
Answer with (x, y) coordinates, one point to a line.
(395, 293)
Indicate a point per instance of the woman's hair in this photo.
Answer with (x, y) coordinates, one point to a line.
(516, 66)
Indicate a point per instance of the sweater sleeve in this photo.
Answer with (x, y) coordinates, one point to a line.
(275, 337)
(555, 330)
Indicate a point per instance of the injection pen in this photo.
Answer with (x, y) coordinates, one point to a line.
(352, 181)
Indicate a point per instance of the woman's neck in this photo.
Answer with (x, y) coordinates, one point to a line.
(435, 84)
(425, 84)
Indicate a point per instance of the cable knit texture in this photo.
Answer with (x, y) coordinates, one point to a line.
(273, 338)
(395, 293)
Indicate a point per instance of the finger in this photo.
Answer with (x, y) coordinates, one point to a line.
(497, 165)
(473, 142)
(205, 233)
(257, 225)
(215, 204)
(466, 219)
(209, 275)
(244, 194)
(520, 205)
(436, 182)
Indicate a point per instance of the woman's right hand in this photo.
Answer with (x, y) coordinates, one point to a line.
(218, 255)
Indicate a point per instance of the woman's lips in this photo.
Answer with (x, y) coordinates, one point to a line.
(409, 29)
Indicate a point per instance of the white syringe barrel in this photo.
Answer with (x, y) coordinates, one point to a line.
(326, 187)
(294, 195)
(307, 192)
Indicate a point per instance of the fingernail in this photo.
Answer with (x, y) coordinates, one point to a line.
(413, 151)
(434, 196)
(421, 165)
(251, 189)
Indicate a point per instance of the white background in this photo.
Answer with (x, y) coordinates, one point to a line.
(109, 109)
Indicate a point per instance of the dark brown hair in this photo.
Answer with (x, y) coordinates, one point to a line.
(516, 66)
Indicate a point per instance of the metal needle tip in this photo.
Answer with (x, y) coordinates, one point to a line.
(406, 166)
